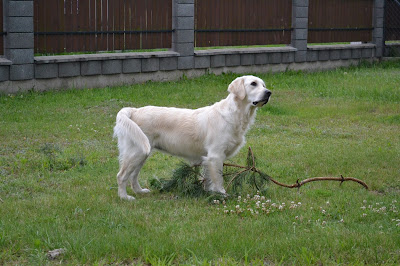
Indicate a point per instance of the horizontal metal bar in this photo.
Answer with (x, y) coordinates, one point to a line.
(243, 30)
(339, 29)
(101, 32)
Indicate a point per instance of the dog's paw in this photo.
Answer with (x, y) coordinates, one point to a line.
(128, 198)
(143, 191)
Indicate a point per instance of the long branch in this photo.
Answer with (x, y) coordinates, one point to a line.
(313, 179)
(301, 183)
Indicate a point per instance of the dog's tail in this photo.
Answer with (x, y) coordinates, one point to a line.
(126, 128)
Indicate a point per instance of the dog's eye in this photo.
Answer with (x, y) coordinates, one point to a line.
(253, 83)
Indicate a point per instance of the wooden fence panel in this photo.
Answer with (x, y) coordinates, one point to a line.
(340, 21)
(101, 25)
(392, 20)
(242, 22)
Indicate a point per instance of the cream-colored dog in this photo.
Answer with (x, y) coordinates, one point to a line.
(206, 136)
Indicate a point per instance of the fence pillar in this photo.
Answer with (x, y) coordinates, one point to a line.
(183, 35)
(300, 29)
(378, 37)
(19, 41)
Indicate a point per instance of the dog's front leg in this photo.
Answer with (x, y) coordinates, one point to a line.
(214, 180)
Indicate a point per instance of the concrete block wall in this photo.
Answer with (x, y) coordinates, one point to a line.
(300, 29)
(19, 41)
(20, 70)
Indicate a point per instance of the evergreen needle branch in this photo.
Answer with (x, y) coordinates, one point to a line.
(235, 176)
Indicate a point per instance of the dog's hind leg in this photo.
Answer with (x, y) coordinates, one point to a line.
(130, 167)
(134, 179)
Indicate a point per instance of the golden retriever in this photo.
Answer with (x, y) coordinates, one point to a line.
(206, 136)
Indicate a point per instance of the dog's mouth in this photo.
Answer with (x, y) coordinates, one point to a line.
(263, 101)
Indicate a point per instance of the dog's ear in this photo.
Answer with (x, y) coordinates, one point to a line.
(237, 88)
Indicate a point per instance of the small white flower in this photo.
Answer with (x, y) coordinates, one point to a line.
(341, 220)
(364, 214)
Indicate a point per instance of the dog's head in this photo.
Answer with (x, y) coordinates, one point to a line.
(250, 89)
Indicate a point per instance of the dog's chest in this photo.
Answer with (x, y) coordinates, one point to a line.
(233, 145)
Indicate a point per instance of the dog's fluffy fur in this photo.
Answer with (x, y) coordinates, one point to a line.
(206, 136)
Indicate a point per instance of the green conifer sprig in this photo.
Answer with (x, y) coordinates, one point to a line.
(188, 180)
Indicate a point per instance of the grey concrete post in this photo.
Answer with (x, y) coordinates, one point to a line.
(378, 37)
(300, 29)
(183, 35)
(19, 41)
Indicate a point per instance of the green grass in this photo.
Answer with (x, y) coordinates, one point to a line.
(58, 165)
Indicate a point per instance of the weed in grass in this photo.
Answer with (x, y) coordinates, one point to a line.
(55, 159)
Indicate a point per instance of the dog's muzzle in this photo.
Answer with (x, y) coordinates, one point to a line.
(264, 99)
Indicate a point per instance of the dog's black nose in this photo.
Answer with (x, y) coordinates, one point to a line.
(268, 94)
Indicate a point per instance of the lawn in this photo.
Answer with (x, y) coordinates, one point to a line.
(58, 166)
